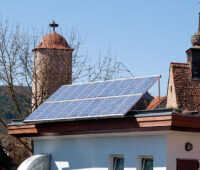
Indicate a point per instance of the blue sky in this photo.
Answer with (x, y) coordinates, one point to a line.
(146, 35)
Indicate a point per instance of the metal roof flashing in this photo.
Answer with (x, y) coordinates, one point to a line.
(150, 113)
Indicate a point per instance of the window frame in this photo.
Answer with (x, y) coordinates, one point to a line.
(139, 160)
(111, 159)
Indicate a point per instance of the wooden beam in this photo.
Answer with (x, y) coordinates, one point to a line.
(21, 127)
(22, 131)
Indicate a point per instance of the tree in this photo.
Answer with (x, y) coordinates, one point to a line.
(17, 72)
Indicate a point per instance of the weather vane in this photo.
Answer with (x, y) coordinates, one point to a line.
(54, 25)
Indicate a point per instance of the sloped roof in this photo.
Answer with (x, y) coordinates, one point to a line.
(157, 103)
(187, 90)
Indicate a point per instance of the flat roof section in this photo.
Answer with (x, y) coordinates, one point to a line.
(156, 120)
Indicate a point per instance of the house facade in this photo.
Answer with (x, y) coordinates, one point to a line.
(134, 151)
(159, 140)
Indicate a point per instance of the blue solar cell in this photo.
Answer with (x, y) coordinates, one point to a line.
(46, 112)
(81, 107)
(102, 107)
(38, 111)
(101, 86)
(67, 110)
(146, 85)
(116, 102)
(85, 93)
(76, 93)
(123, 85)
(108, 90)
(91, 107)
(58, 109)
(69, 90)
(126, 105)
(133, 86)
(55, 95)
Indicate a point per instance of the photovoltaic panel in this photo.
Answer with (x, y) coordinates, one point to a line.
(98, 99)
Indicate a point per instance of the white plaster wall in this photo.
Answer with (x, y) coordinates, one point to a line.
(93, 153)
(171, 95)
(176, 148)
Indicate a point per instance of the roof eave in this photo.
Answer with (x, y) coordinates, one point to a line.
(153, 121)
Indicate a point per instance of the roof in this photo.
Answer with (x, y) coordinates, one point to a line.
(135, 121)
(187, 90)
(157, 102)
(53, 41)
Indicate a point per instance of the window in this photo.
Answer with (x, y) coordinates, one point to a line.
(145, 162)
(116, 162)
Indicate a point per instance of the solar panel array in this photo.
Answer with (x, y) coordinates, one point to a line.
(98, 99)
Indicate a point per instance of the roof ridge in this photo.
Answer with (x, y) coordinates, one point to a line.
(179, 64)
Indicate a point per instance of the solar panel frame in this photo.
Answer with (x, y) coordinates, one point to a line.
(72, 91)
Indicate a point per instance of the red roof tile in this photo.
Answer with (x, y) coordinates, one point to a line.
(53, 41)
(187, 90)
(154, 104)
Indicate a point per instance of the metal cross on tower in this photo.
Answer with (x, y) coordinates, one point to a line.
(54, 25)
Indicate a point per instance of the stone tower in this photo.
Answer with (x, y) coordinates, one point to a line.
(52, 66)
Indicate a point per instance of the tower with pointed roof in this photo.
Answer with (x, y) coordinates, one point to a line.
(52, 66)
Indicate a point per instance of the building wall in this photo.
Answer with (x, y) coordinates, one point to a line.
(93, 152)
(176, 148)
(171, 93)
